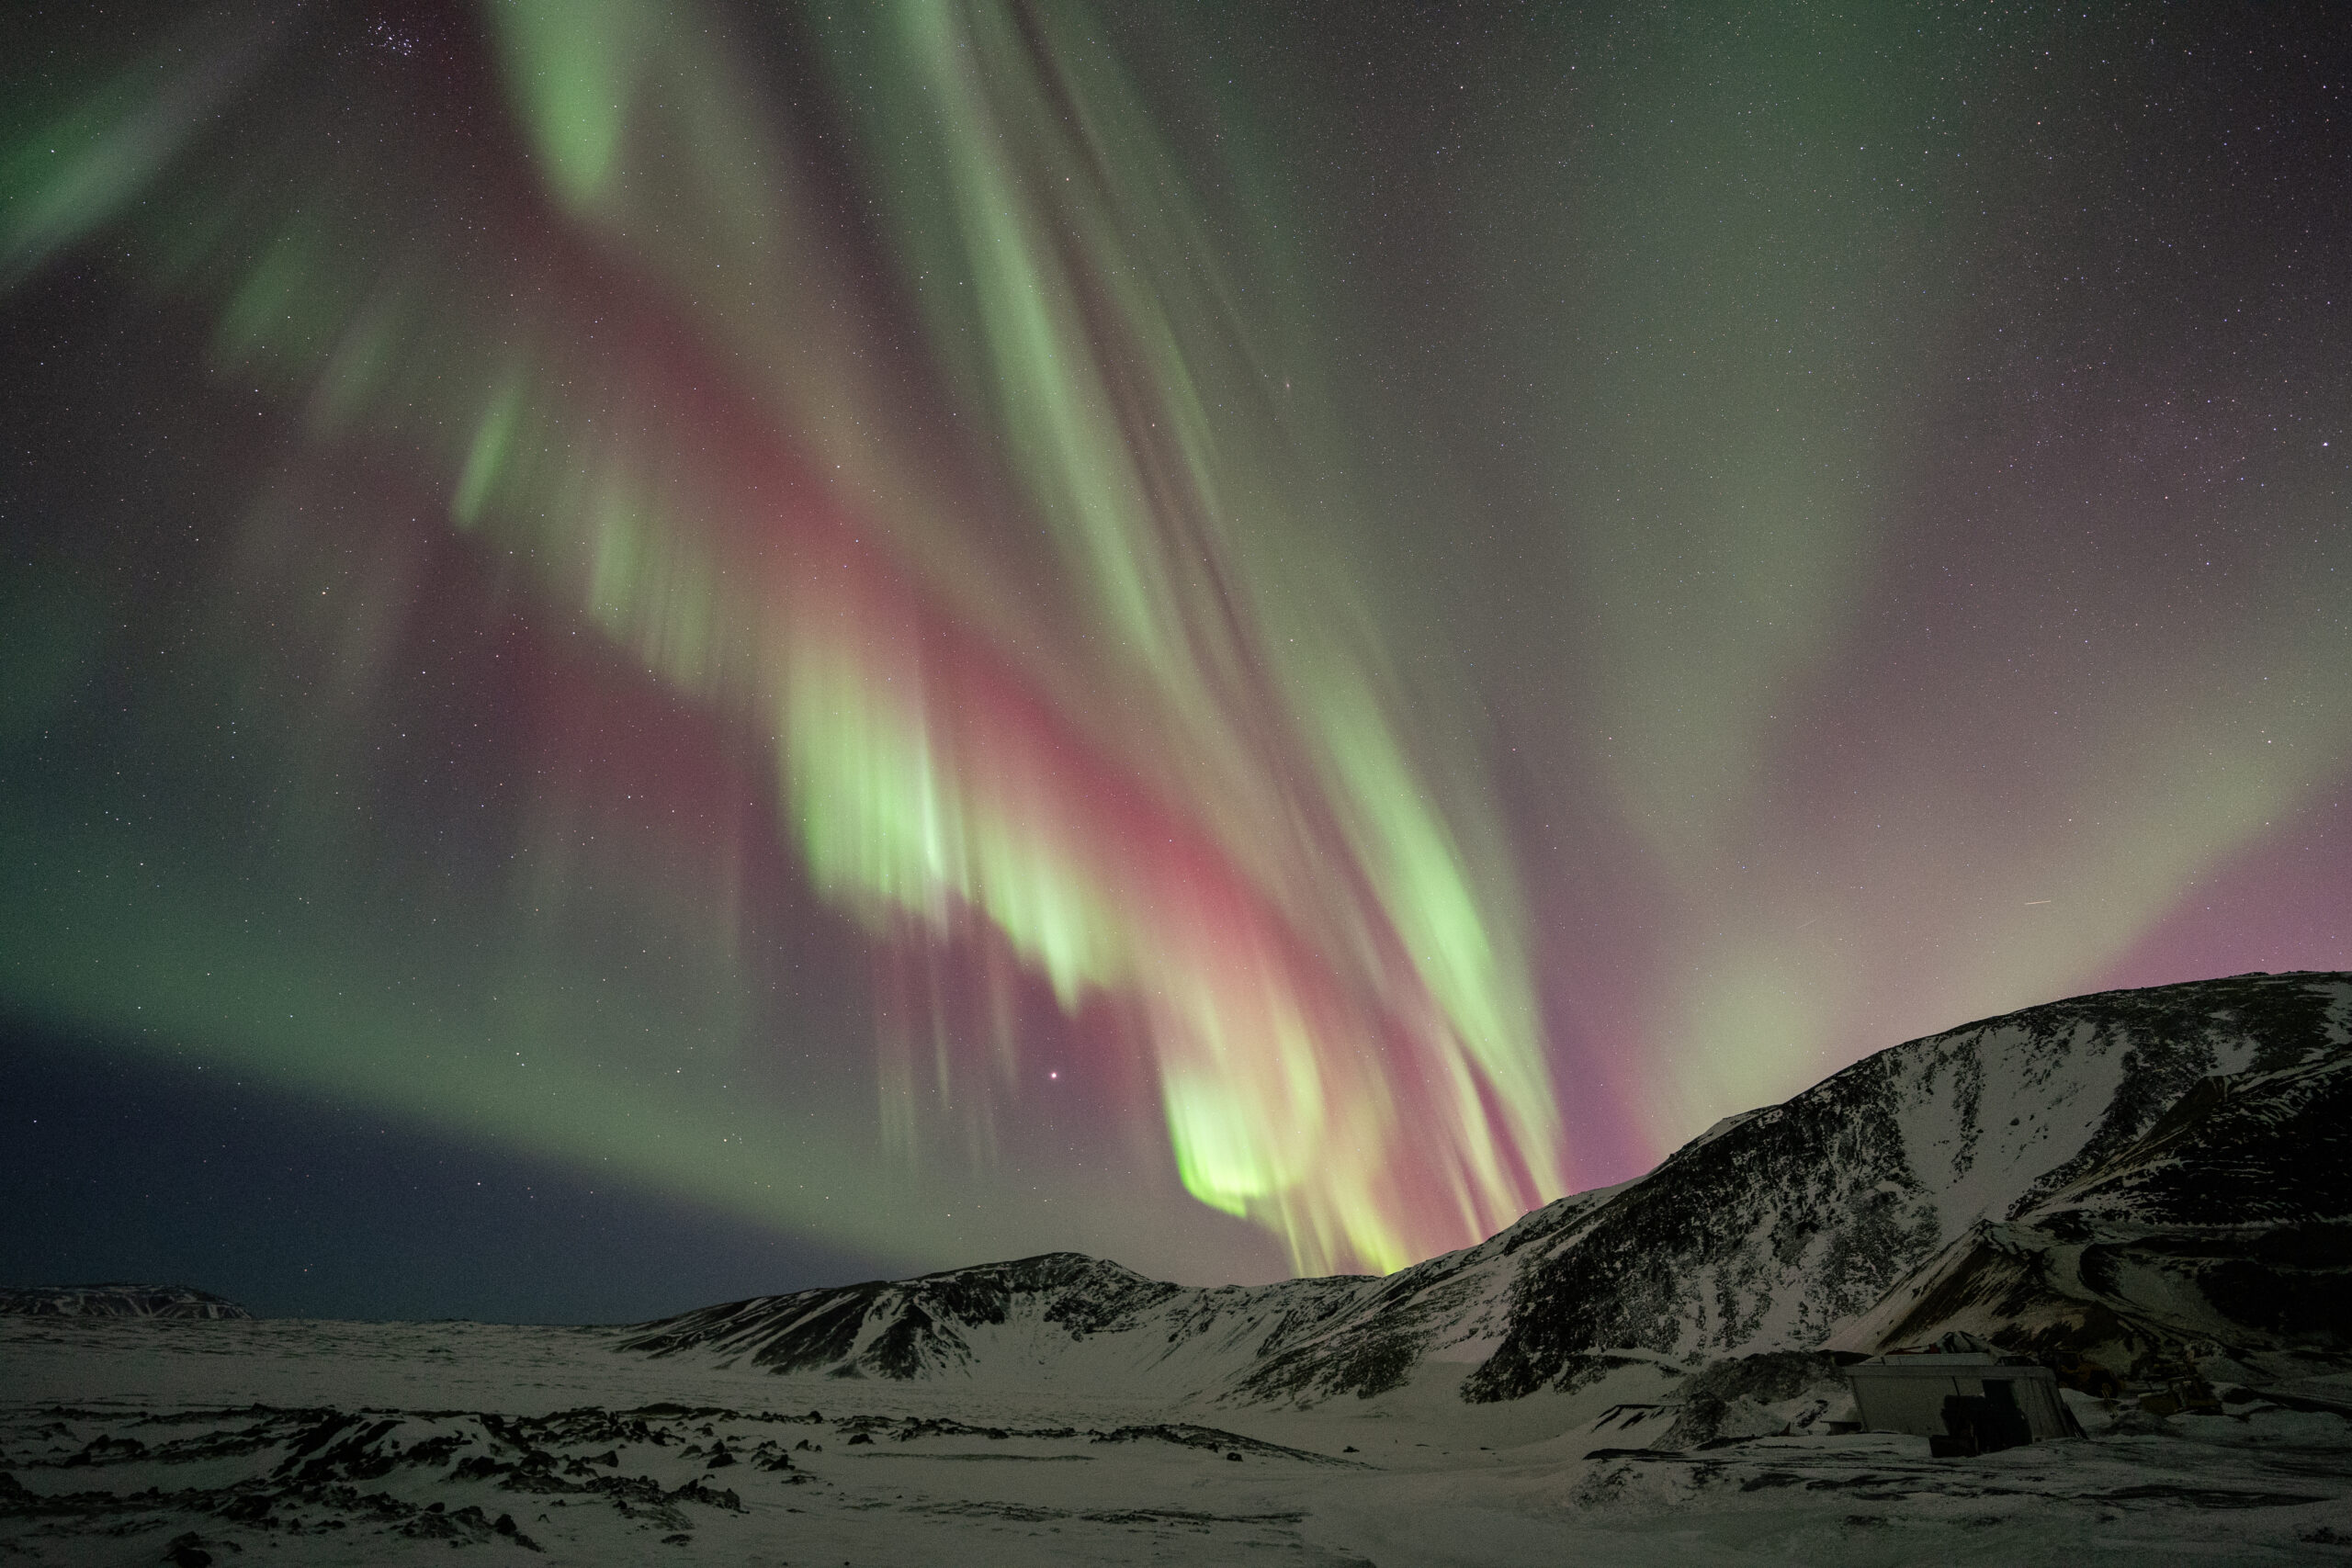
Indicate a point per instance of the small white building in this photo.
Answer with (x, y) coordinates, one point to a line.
(1962, 1400)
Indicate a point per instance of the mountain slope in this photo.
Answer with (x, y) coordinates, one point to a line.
(2227, 1221)
(1797, 1221)
(1045, 1318)
(1948, 1175)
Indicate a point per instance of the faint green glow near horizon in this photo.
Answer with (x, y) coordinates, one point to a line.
(1156, 803)
(1045, 587)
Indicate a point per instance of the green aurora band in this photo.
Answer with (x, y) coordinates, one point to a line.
(910, 455)
(1219, 831)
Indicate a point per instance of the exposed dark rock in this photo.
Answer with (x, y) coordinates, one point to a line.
(2229, 1219)
(115, 1301)
(1718, 1395)
(187, 1551)
(2051, 1178)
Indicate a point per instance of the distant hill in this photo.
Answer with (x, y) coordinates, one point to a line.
(2120, 1175)
(115, 1301)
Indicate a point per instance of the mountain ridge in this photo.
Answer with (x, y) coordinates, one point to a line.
(115, 1298)
(1790, 1227)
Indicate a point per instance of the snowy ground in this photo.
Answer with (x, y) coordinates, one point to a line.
(284, 1442)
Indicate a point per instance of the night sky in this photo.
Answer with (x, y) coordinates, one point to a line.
(658, 649)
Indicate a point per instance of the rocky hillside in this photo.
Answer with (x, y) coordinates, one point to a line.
(2136, 1165)
(2227, 1220)
(115, 1301)
(1784, 1229)
(1059, 1316)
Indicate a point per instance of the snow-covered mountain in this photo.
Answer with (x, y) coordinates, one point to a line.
(2116, 1172)
(1781, 1231)
(115, 1301)
(2157, 1177)
(1059, 1317)
(2227, 1220)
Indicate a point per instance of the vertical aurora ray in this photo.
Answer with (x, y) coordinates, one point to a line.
(1076, 301)
(1144, 762)
(1925, 510)
(1245, 636)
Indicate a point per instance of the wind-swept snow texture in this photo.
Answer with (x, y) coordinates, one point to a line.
(129, 1442)
(2112, 1172)
(2154, 1175)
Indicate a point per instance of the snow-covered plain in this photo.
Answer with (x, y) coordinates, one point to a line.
(278, 1442)
(2150, 1188)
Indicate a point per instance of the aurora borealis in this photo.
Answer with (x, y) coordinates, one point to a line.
(1243, 637)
